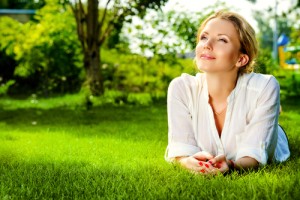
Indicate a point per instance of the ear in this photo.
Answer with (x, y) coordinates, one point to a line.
(243, 60)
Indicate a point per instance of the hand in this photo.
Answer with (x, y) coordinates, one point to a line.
(220, 163)
(203, 156)
(197, 163)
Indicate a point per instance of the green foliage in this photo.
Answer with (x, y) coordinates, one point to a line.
(10, 29)
(5, 86)
(289, 81)
(48, 51)
(137, 74)
(265, 63)
(113, 97)
(144, 99)
(294, 36)
(295, 42)
(8, 36)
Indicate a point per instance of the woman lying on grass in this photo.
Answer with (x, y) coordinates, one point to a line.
(226, 117)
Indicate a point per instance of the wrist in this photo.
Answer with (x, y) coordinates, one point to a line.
(231, 164)
(180, 159)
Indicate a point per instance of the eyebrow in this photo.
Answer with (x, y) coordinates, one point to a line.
(219, 34)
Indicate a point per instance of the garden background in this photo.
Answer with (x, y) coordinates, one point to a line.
(83, 101)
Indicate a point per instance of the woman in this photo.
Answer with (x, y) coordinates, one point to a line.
(226, 117)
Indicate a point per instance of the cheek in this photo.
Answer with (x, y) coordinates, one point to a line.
(229, 53)
(198, 49)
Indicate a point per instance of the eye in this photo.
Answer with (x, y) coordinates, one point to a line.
(203, 37)
(223, 40)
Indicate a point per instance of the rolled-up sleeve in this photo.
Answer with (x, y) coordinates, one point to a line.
(259, 138)
(181, 138)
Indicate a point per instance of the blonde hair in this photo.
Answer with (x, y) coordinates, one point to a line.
(246, 34)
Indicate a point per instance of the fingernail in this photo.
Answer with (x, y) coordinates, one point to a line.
(200, 163)
(210, 162)
(206, 165)
(202, 171)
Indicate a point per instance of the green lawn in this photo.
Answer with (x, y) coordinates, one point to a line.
(55, 149)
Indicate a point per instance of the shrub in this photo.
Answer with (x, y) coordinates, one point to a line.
(265, 63)
(5, 86)
(49, 53)
(10, 29)
(289, 81)
(135, 74)
(143, 99)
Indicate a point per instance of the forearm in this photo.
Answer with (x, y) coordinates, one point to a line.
(245, 163)
(178, 159)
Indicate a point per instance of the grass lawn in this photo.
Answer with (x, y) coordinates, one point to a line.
(55, 149)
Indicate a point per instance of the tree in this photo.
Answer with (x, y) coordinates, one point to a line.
(94, 26)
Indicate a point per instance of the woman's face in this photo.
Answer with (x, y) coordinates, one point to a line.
(218, 49)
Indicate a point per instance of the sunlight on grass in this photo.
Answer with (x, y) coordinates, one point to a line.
(98, 151)
(118, 153)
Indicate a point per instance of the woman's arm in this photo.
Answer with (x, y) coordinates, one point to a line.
(181, 138)
(223, 165)
(197, 162)
(244, 163)
(259, 138)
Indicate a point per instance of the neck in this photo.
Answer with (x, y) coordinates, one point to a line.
(220, 86)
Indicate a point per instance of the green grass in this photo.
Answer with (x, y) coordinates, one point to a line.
(55, 149)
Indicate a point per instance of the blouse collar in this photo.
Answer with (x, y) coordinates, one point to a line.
(231, 95)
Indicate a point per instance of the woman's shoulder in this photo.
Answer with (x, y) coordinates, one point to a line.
(186, 82)
(188, 79)
(260, 81)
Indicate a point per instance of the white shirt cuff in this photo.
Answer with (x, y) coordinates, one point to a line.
(258, 154)
(178, 150)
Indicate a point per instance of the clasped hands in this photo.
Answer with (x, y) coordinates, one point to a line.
(205, 163)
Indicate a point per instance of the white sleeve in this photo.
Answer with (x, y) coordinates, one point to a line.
(181, 139)
(260, 136)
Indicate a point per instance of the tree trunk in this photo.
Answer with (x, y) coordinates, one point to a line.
(92, 33)
(88, 33)
(94, 79)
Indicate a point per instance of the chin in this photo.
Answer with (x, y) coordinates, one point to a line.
(203, 68)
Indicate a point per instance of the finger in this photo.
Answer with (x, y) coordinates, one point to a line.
(202, 171)
(201, 166)
(194, 165)
(205, 167)
(224, 168)
(220, 158)
(198, 170)
(210, 171)
(203, 156)
(217, 159)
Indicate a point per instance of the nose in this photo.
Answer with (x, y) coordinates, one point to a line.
(207, 44)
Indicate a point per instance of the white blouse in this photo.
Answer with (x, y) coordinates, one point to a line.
(251, 122)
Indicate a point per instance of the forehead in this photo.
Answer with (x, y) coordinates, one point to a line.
(220, 26)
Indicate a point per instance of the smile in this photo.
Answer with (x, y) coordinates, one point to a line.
(207, 57)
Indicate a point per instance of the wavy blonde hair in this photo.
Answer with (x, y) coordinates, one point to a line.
(246, 34)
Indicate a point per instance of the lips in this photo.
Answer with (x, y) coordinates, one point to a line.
(207, 57)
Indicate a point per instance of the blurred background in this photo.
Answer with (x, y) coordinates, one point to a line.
(127, 52)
